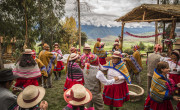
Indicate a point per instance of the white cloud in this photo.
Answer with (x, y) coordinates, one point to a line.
(104, 12)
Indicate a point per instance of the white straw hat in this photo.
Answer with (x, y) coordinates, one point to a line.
(117, 54)
(77, 95)
(73, 56)
(30, 96)
(86, 46)
(28, 51)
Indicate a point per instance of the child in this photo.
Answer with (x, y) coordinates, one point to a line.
(75, 73)
(27, 70)
(76, 97)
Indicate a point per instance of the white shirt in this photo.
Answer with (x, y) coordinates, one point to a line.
(112, 73)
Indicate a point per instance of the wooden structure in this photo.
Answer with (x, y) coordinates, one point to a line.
(153, 13)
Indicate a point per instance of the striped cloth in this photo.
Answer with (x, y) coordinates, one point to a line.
(27, 72)
(76, 70)
(136, 64)
(121, 68)
(101, 53)
(159, 90)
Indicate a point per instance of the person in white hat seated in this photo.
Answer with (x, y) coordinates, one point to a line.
(116, 94)
(74, 72)
(30, 98)
(93, 78)
(76, 97)
(27, 70)
(85, 56)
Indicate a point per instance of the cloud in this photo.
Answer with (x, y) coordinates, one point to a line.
(104, 12)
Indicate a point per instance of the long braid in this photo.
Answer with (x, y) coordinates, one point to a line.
(71, 70)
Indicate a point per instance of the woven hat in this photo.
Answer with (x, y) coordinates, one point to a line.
(56, 44)
(86, 46)
(94, 59)
(116, 43)
(30, 96)
(45, 46)
(77, 95)
(117, 54)
(7, 75)
(73, 56)
(27, 51)
(99, 39)
(117, 40)
(72, 49)
(136, 47)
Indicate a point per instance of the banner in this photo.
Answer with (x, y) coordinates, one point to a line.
(143, 36)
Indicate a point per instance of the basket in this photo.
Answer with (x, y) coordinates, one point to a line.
(135, 92)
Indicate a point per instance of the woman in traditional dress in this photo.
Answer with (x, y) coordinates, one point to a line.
(161, 90)
(27, 70)
(75, 73)
(116, 94)
(102, 54)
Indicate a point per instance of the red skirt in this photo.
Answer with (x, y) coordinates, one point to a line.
(23, 83)
(152, 105)
(115, 95)
(102, 61)
(59, 66)
(175, 78)
(69, 83)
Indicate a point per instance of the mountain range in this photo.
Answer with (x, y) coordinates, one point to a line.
(94, 32)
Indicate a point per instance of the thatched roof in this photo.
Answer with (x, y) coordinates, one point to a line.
(152, 12)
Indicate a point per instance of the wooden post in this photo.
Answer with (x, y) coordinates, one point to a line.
(164, 25)
(156, 32)
(79, 27)
(122, 34)
(144, 15)
(170, 48)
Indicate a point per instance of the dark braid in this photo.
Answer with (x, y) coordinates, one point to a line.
(71, 69)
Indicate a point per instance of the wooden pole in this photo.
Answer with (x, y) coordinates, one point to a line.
(122, 34)
(144, 15)
(79, 23)
(170, 47)
(164, 25)
(156, 32)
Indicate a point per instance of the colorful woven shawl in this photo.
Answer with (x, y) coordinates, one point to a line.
(136, 64)
(101, 53)
(121, 68)
(159, 90)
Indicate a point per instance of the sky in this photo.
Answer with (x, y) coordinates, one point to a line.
(104, 12)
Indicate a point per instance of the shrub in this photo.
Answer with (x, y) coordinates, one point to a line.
(128, 51)
(142, 46)
(150, 48)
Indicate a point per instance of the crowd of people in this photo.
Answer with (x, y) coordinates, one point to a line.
(87, 75)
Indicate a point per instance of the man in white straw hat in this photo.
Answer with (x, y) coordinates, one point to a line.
(116, 94)
(85, 56)
(49, 60)
(74, 72)
(77, 97)
(30, 97)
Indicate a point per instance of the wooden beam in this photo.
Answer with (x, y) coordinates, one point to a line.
(156, 32)
(170, 47)
(122, 34)
(144, 15)
(150, 20)
(164, 25)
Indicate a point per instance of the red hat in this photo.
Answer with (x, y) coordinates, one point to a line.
(136, 47)
(99, 39)
(73, 49)
(34, 54)
(158, 47)
(117, 40)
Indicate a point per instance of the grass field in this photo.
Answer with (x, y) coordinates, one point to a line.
(54, 95)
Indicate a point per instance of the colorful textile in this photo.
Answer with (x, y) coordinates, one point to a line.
(178, 106)
(84, 59)
(159, 90)
(121, 68)
(23, 83)
(75, 72)
(97, 45)
(136, 65)
(42, 67)
(153, 105)
(115, 95)
(69, 107)
(69, 83)
(137, 56)
(48, 60)
(31, 72)
(101, 53)
(102, 61)
(175, 78)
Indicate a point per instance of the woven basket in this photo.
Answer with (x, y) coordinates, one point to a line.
(135, 92)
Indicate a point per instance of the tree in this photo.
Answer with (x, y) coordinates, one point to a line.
(83, 38)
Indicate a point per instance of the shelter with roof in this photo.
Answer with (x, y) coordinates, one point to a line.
(165, 13)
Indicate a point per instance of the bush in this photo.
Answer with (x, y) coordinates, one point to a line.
(128, 51)
(142, 46)
(150, 48)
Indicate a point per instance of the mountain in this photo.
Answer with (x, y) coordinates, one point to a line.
(104, 31)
